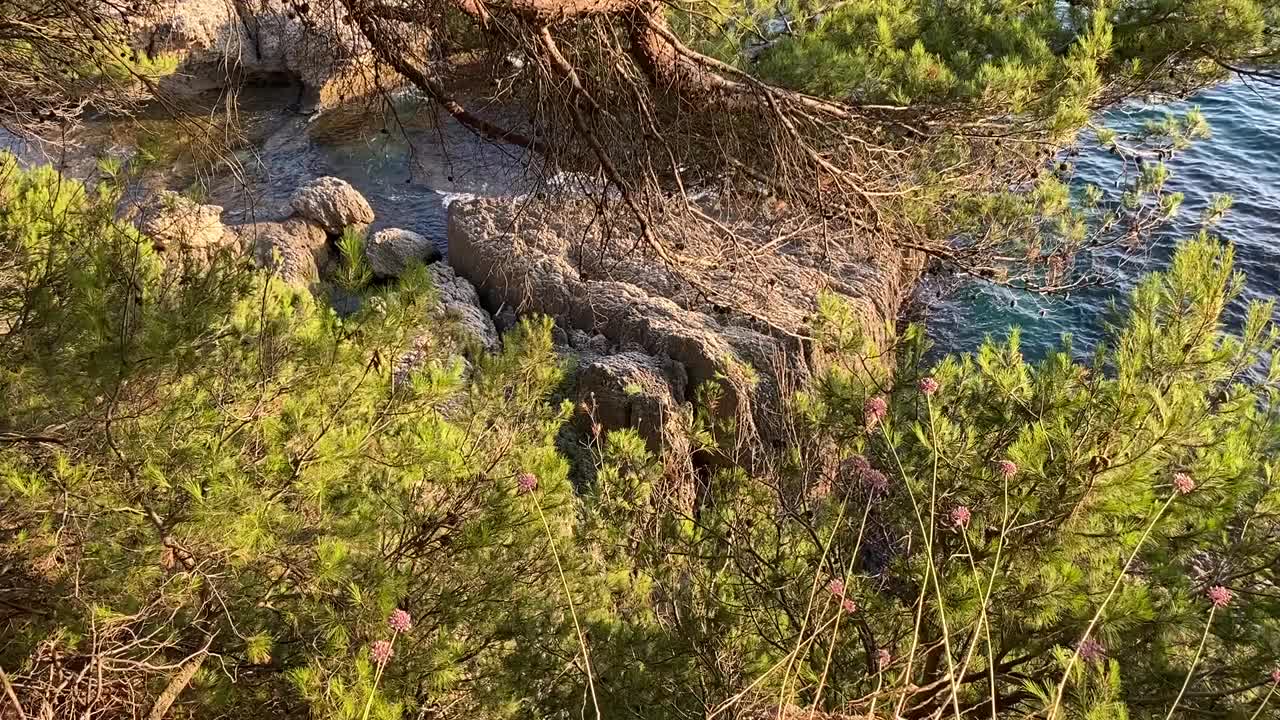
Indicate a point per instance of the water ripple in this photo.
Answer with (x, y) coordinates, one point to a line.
(1242, 158)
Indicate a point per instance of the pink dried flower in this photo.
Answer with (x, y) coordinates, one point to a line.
(1275, 676)
(857, 465)
(1007, 469)
(836, 587)
(526, 482)
(876, 409)
(875, 480)
(849, 606)
(929, 386)
(1183, 484)
(1091, 650)
(884, 657)
(381, 652)
(1219, 596)
(960, 516)
(400, 621)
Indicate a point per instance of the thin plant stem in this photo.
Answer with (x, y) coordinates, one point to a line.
(568, 596)
(937, 584)
(1075, 655)
(931, 571)
(1194, 661)
(984, 622)
(835, 636)
(875, 696)
(377, 677)
(763, 676)
(1258, 712)
(813, 591)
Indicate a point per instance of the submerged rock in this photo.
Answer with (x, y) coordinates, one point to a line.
(333, 204)
(391, 250)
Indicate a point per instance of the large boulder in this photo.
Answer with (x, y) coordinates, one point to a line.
(220, 43)
(726, 311)
(391, 250)
(333, 204)
(295, 248)
(634, 390)
(178, 225)
(460, 305)
(649, 395)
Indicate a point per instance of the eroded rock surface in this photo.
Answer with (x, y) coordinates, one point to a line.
(460, 303)
(295, 248)
(177, 224)
(635, 390)
(333, 204)
(221, 43)
(731, 310)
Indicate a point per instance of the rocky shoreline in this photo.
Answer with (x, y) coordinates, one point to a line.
(643, 337)
(646, 330)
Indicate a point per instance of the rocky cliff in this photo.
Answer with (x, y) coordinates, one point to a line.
(731, 304)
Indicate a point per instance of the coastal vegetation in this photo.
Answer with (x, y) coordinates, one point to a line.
(251, 480)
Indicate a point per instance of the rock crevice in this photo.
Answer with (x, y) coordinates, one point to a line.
(733, 316)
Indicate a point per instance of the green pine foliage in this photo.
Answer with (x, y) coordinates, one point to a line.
(354, 273)
(216, 466)
(1041, 57)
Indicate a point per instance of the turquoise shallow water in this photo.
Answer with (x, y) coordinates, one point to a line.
(1241, 158)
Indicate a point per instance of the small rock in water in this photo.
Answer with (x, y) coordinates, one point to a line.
(391, 250)
(332, 203)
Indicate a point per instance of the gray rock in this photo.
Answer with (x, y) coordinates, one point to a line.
(177, 224)
(460, 303)
(294, 248)
(511, 272)
(390, 251)
(599, 344)
(220, 44)
(333, 204)
(560, 338)
(648, 394)
(505, 319)
(633, 390)
(733, 317)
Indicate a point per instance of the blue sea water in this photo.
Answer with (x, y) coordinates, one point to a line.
(408, 173)
(1241, 158)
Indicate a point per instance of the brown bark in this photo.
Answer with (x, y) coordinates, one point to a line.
(386, 49)
(665, 65)
(176, 685)
(545, 12)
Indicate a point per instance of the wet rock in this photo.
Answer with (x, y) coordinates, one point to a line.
(460, 304)
(294, 248)
(333, 204)
(391, 250)
(177, 224)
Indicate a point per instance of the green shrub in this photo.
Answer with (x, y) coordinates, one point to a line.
(214, 489)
